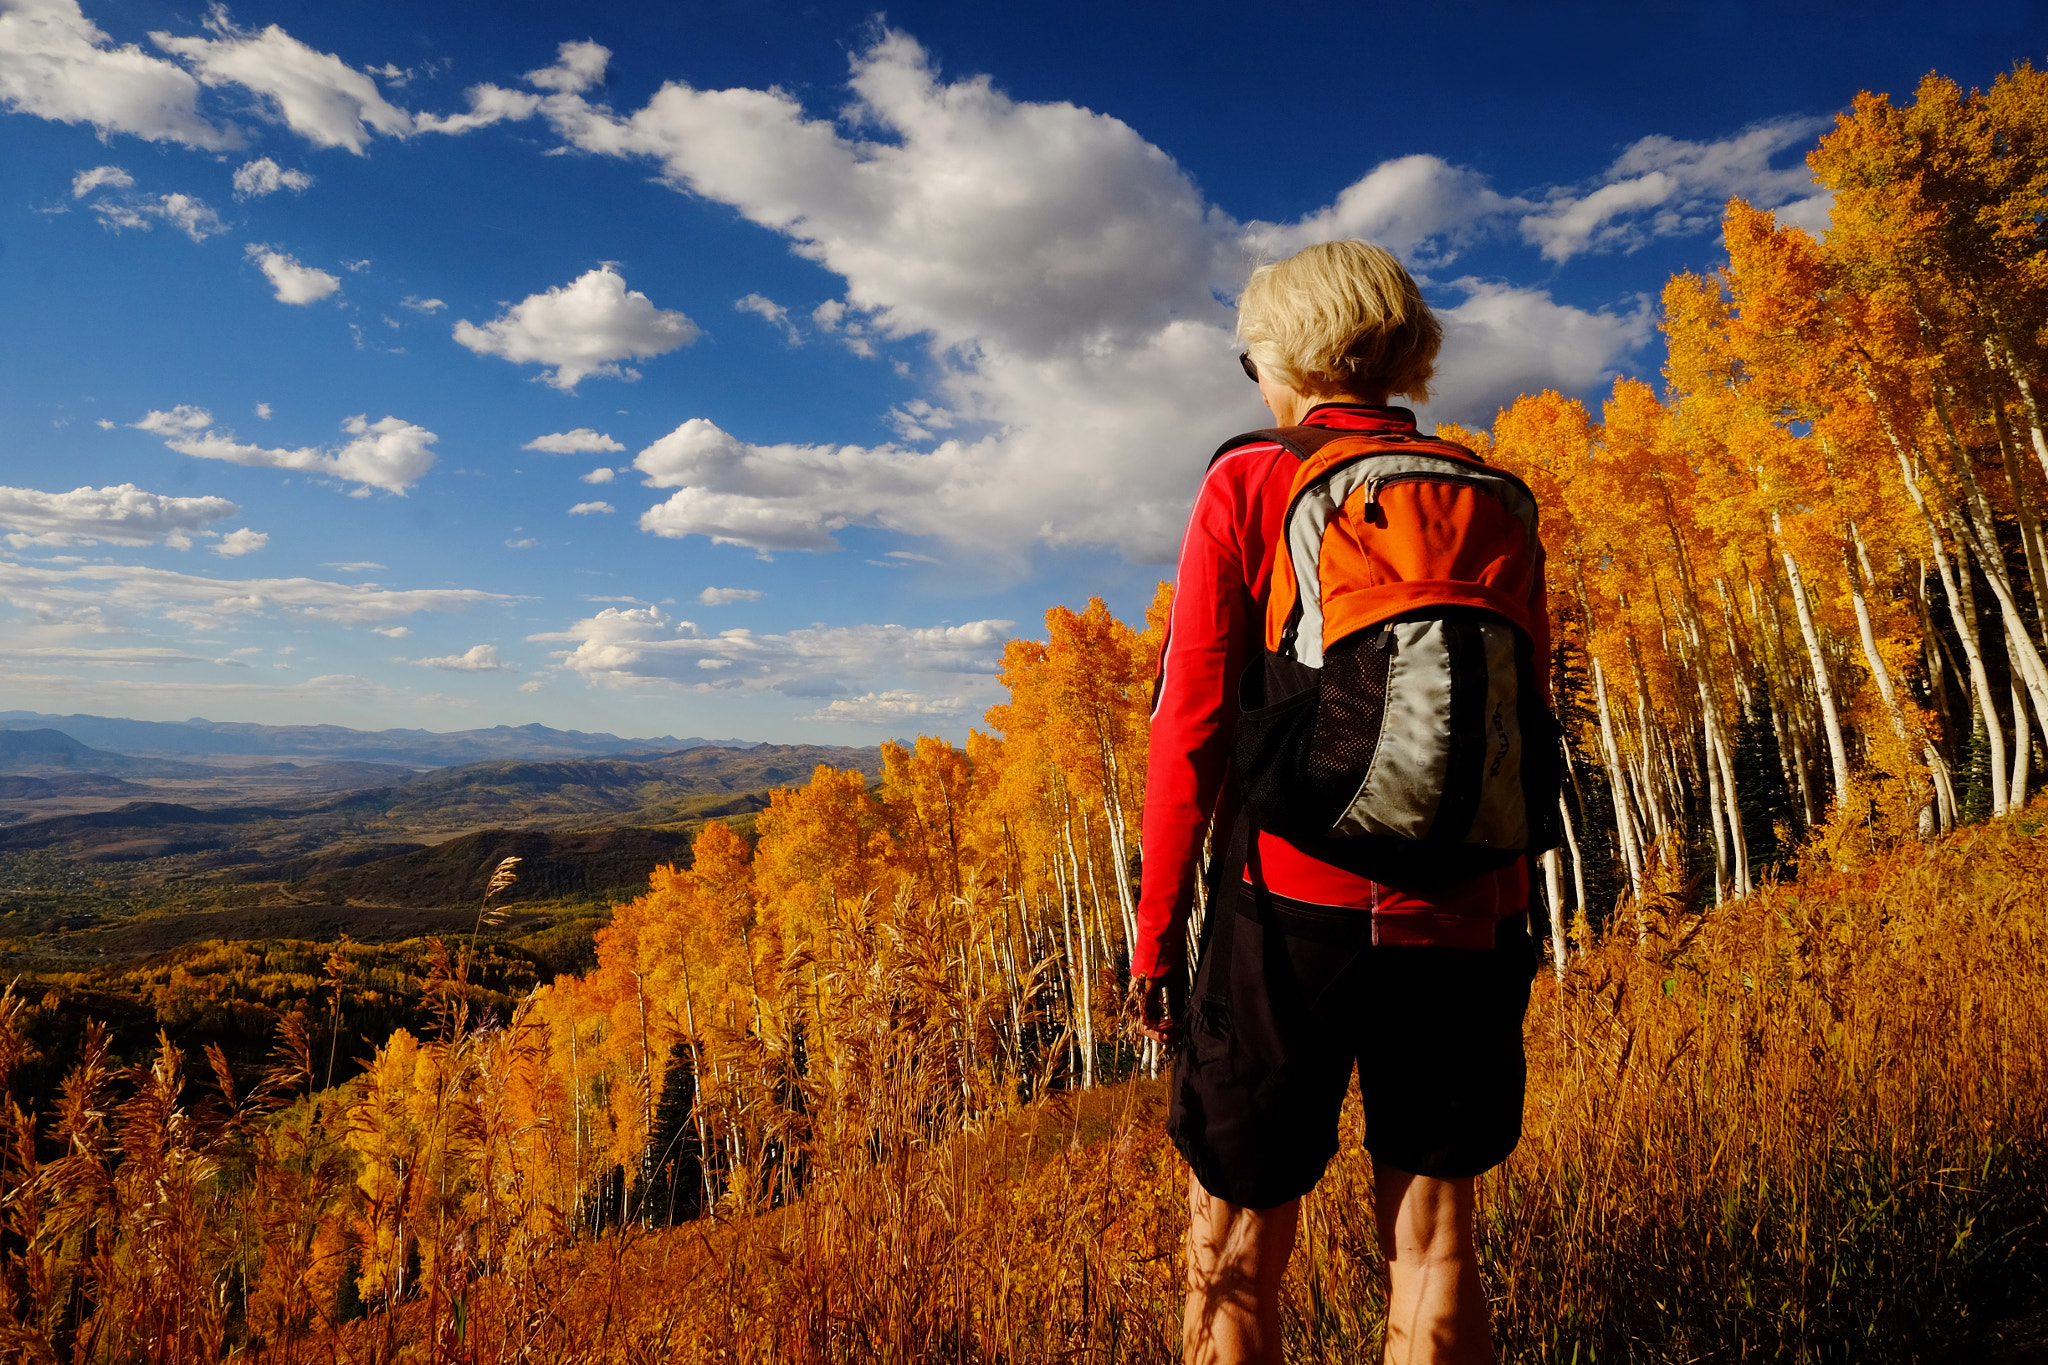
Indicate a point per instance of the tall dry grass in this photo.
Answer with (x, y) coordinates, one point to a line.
(1808, 1126)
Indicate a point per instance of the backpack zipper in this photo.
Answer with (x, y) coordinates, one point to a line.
(1376, 482)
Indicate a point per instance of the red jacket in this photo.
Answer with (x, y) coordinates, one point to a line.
(1219, 610)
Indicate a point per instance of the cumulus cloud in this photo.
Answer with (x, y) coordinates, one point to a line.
(420, 305)
(641, 646)
(254, 179)
(85, 182)
(392, 632)
(1502, 341)
(771, 312)
(57, 64)
(893, 707)
(580, 329)
(317, 95)
(1664, 186)
(578, 442)
(720, 597)
(391, 454)
(1416, 206)
(235, 544)
(119, 515)
(189, 215)
(1065, 280)
(578, 66)
(294, 283)
(601, 474)
(585, 509)
(96, 593)
(475, 659)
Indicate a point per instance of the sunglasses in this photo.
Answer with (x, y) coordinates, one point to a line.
(1251, 371)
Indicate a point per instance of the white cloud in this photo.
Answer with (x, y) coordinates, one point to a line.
(118, 656)
(532, 685)
(488, 104)
(771, 312)
(390, 453)
(641, 646)
(315, 94)
(392, 632)
(420, 305)
(190, 216)
(601, 474)
(475, 659)
(890, 708)
(97, 592)
(1066, 281)
(294, 283)
(85, 182)
(235, 544)
(579, 329)
(584, 509)
(578, 66)
(357, 566)
(263, 411)
(1502, 341)
(720, 597)
(1416, 206)
(257, 178)
(57, 64)
(1664, 186)
(578, 442)
(119, 515)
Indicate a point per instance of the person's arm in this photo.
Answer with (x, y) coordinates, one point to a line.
(1194, 718)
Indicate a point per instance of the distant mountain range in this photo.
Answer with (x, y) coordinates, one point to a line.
(163, 739)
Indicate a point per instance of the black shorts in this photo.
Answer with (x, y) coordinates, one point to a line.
(1436, 1034)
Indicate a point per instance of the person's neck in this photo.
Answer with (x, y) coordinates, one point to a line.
(1293, 406)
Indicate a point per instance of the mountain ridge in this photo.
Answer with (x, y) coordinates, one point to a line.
(448, 748)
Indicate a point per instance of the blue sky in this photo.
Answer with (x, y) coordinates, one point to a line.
(758, 369)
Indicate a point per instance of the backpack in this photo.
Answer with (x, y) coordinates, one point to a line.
(1394, 723)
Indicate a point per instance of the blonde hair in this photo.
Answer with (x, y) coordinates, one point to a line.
(1340, 317)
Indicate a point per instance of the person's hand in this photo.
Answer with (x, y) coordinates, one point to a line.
(1157, 1006)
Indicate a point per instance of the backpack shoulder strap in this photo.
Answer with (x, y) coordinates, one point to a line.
(1300, 442)
(1304, 442)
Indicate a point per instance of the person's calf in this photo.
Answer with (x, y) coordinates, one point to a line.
(1436, 1308)
(1236, 1259)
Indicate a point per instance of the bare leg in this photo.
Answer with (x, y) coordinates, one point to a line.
(1236, 1260)
(1436, 1311)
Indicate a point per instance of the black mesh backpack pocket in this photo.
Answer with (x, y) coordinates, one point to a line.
(1276, 725)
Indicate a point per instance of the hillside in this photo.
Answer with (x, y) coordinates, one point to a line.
(44, 751)
(552, 867)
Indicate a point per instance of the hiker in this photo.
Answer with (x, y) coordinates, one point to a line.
(1311, 965)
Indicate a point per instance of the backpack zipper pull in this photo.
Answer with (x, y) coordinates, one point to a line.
(1384, 642)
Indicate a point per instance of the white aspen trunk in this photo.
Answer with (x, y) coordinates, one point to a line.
(2030, 525)
(2022, 751)
(1823, 686)
(1983, 538)
(1961, 592)
(1617, 784)
(2019, 378)
(1087, 1001)
(1571, 842)
(1119, 841)
(1553, 884)
(1723, 853)
(1725, 756)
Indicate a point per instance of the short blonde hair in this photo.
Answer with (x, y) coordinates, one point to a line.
(1340, 317)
